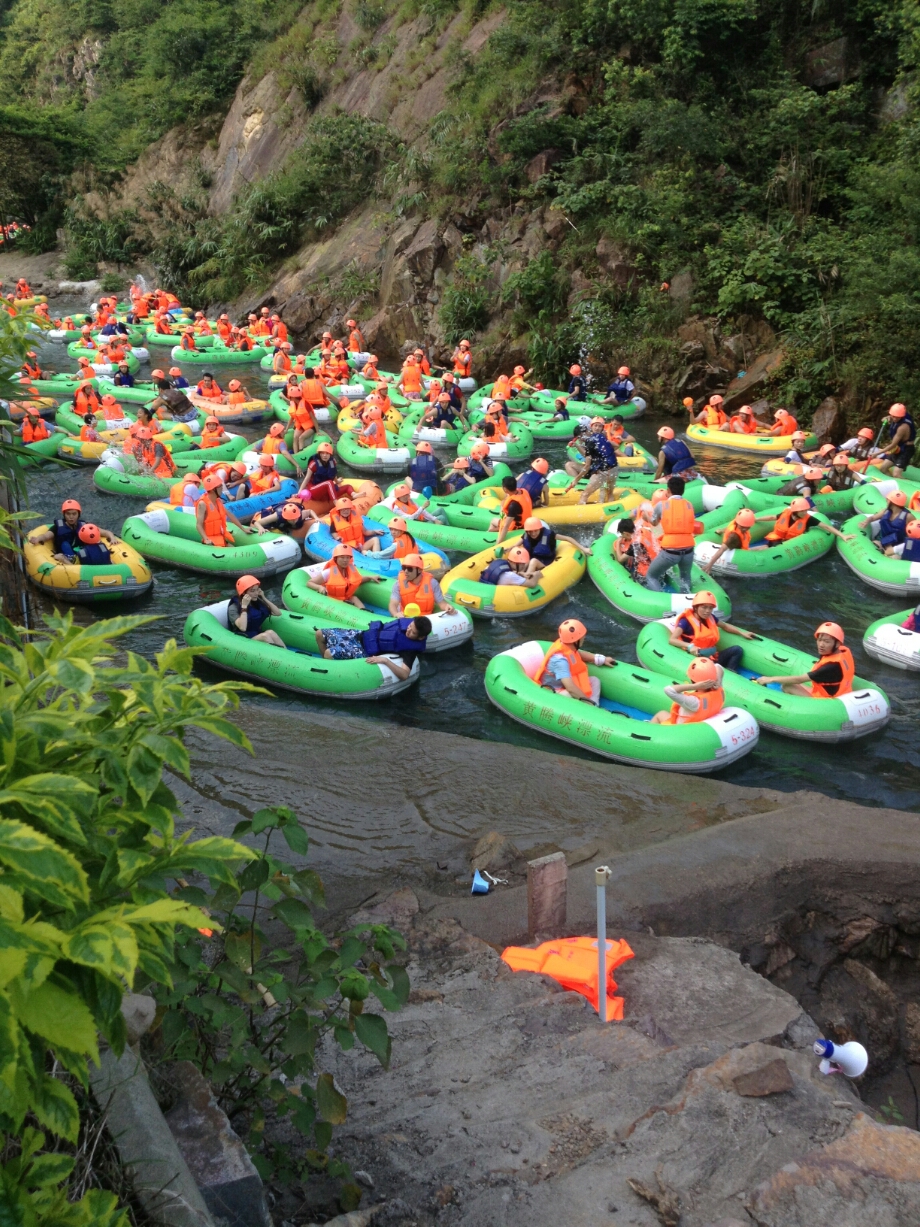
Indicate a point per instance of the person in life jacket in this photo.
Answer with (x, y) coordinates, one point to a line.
(560, 410)
(842, 476)
(423, 469)
(373, 432)
(186, 491)
(805, 485)
(785, 423)
(736, 536)
(187, 340)
(698, 628)
(249, 610)
(340, 579)
(88, 432)
(796, 453)
(64, 533)
(113, 413)
(910, 550)
(861, 449)
(287, 519)
(369, 370)
(744, 422)
(515, 509)
(278, 327)
(897, 453)
(422, 360)
(401, 501)
(535, 481)
(793, 522)
(501, 388)
(31, 368)
(699, 698)
(313, 390)
(274, 445)
(212, 433)
(152, 456)
(212, 516)
(675, 459)
(347, 527)
(462, 361)
(23, 289)
(356, 344)
(85, 398)
(833, 671)
(201, 325)
(238, 393)
(617, 434)
(321, 468)
(404, 543)
(173, 404)
(224, 328)
(600, 464)
(34, 428)
(578, 385)
(565, 664)
(257, 327)
(415, 587)
(892, 522)
(712, 414)
(209, 389)
(266, 478)
(91, 552)
(451, 387)
(403, 638)
(512, 569)
(620, 390)
(300, 416)
(459, 476)
(281, 362)
(481, 466)
(679, 526)
(540, 542)
(122, 378)
(410, 383)
(626, 549)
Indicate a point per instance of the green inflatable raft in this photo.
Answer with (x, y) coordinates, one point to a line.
(892, 643)
(778, 559)
(633, 598)
(853, 715)
(75, 350)
(171, 537)
(449, 629)
(391, 459)
(411, 432)
(297, 666)
(878, 570)
(445, 536)
(152, 337)
(218, 355)
(620, 728)
(519, 448)
(545, 400)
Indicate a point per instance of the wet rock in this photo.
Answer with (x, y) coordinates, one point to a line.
(425, 250)
(229, 1183)
(493, 851)
(829, 64)
(770, 1079)
(555, 224)
(869, 1176)
(355, 1218)
(618, 264)
(397, 909)
(743, 389)
(829, 422)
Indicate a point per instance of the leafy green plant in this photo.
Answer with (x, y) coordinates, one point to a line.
(91, 239)
(369, 14)
(251, 1006)
(112, 283)
(468, 298)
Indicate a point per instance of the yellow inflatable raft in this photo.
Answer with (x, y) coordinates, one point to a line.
(126, 577)
(461, 585)
(750, 445)
(564, 508)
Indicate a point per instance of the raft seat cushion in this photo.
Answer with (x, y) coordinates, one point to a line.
(752, 677)
(621, 709)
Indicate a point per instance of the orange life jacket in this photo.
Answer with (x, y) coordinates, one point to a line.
(421, 593)
(244, 343)
(213, 437)
(283, 365)
(501, 389)
(786, 528)
(501, 427)
(188, 341)
(204, 329)
(843, 657)
(34, 429)
(370, 371)
(580, 675)
(463, 362)
(356, 341)
(259, 329)
(524, 501)
(573, 963)
(224, 331)
(301, 416)
(411, 378)
(163, 326)
(157, 458)
(177, 492)
(32, 369)
(236, 398)
(342, 587)
(314, 393)
(748, 425)
(272, 445)
(280, 331)
(370, 435)
(405, 545)
(88, 434)
(260, 482)
(705, 633)
(614, 433)
(743, 533)
(348, 531)
(715, 417)
(215, 520)
(677, 523)
(212, 393)
(711, 703)
(789, 426)
(86, 401)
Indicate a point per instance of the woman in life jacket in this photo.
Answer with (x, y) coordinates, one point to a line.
(403, 638)
(348, 528)
(481, 466)
(302, 419)
(675, 459)
(34, 428)
(212, 516)
(250, 609)
(178, 379)
(414, 586)
(340, 578)
(186, 491)
(458, 477)
(88, 431)
(64, 532)
(212, 434)
(321, 470)
(565, 665)
(737, 536)
(31, 368)
(404, 543)
(619, 436)
(794, 522)
(892, 522)
(712, 414)
(744, 422)
(785, 424)
(410, 383)
(842, 475)
(796, 453)
(540, 542)
(281, 362)
(699, 698)
(832, 674)
(274, 445)
(462, 361)
(805, 485)
(287, 519)
(697, 631)
(408, 505)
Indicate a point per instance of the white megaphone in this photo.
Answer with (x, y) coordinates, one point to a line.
(850, 1059)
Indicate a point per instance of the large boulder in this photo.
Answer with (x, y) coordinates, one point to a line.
(753, 383)
(830, 422)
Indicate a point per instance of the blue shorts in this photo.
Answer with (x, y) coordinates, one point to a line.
(344, 644)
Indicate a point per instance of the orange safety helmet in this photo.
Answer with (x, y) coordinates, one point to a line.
(461, 463)
(344, 503)
(109, 399)
(913, 529)
(865, 433)
(290, 511)
(239, 466)
(245, 582)
(533, 524)
(89, 534)
(800, 504)
(234, 385)
(841, 458)
(745, 518)
(830, 628)
(399, 524)
(540, 465)
(211, 420)
(145, 433)
(780, 413)
(746, 411)
(343, 551)
(213, 481)
(624, 370)
(571, 630)
(423, 447)
(898, 497)
(519, 370)
(267, 461)
(665, 432)
(158, 374)
(813, 474)
(574, 369)
(703, 597)
(413, 561)
(799, 434)
(276, 428)
(518, 554)
(479, 450)
(33, 411)
(715, 400)
(175, 370)
(897, 410)
(703, 670)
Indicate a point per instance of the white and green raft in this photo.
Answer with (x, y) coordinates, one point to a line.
(632, 598)
(853, 715)
(893, 644)
(298, 666)
(763, 563)
(886, 573)
(621, 728)
(171, 538)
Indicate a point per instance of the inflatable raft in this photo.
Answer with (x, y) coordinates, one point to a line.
(461, 585)
(243, 414)
(621, 728)
(298, 666)
(390, 459)
(853, 715)
(635, 600)
(891, 643)
(545, 400)
(218, 354)
(887, 574)
(641, 461)
(763, 492)
(562, 509)
(411, 432)
(40, 450)
(76, 350)
(778, 559)
(749, 445)
(171, 537)
(448, 629)
(152, 337)
(318, 544)
(127, 576)
(520, 448)
(323, 416)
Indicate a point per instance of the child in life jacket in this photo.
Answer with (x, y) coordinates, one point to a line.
(699, 698)
(892, 522)
(565, 665)
(910, 550)
(91, 551)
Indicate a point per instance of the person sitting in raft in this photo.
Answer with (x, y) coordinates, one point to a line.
(560, 410)
(266, 478)
(862, 448)
(178, 379)
(806, 484)
(796, 453)
(373, 433)
(712, 414)
(347, 528)
(535, 481)
(600, 466)
(578, 385)
(736, 536)
(31, 368)
(113, 413)
(540, 542)
(341, 579)
(64, 533)
(910, 550)
(212, 433)
(458, 478)
(841, 476)
(744, 422)
(565, 665)
(186, 491)
(896, 454)
(410, 382)
(273, 444)
(211, 515)
(621, 390)
(122, 378)
(88, 431)
(286, 519)
(404, 638)
(33, 427)
(210, 389)
(622, 440)
(402, 502)
(785, 424)
(234, 478)
(414, 586)
(793, 522)
(481, 466)
(281, 362)
(320, 469)
(446, 413)
(892, 522)
(833, 671)
(452, 388)
(91, 552)
(697, 630)
(519, 382)
(628, 550)
(237, 394)
(515, 509)
(404, 543)
(511, 571)
(700, 698)
(23, 289)
(250, 609)
(304, 423)
(675, 459)
(152, 456)
(144, 421)
(423, 469)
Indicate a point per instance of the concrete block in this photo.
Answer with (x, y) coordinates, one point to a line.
(547, 883)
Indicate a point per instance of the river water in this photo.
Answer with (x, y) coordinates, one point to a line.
(294, 736)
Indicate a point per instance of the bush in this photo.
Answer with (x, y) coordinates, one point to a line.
(468, 300)
(113, 283)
